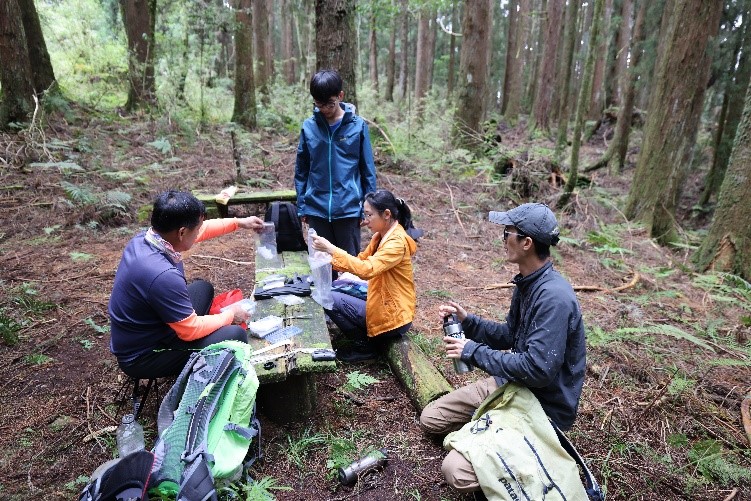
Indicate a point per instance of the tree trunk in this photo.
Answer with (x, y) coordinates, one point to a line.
(15, 71)
(417, 374)
(373, 43)
(572, 14)
(452, 52)
(673, 116)
(41, 67)
(655, 25)
(619, 143)
(391, 63)
(244, 112)
(727, 128)
(618, 67)
(534, 56)
(421, 59)
(727, 246)
(515, 52)
(615, 156)
(597, 104)
(262, 48)
(401, 88)
(544, 93)
(289, 62)
(473, 75)
(583, 102)
(336, 42)
(139, 19)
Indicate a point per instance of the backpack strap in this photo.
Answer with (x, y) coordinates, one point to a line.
(292, 212)
(594, 491)
(196, 482)
(275, 217)
(171, 401)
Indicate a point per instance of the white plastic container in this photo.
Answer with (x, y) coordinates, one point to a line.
(266, 325)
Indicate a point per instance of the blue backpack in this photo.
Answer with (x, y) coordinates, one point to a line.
(206, 423)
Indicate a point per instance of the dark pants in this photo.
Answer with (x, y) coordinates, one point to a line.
(169, 360)
(348, 313)
(344, 233)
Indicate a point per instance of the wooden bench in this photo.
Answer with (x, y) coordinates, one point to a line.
(288, 387)
(214, 209)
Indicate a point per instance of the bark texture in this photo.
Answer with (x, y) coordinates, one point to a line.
(41, 67)
(512, 82)
(727, 246)
(673, 116)
(244, 112)
(262, 47)
(417, 374)
(547, 76)
(473, 72)
(583, 103)
(139, 19)
(572, 14)
(336, 42)
(15, 70)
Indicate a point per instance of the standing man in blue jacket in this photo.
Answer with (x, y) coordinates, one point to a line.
(541, 344)
(334, 169)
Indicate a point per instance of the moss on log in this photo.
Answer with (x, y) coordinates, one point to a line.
(417, 374)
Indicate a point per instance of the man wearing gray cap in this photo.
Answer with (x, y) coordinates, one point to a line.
(541, 344)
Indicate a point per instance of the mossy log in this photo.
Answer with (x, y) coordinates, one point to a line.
(417, 374)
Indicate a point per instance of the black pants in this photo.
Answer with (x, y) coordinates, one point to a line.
(169, 360)
(344, 233)
(348, 313)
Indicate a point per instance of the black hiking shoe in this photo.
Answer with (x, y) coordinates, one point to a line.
(355, 355)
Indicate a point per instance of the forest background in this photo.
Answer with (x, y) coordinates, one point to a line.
(630, 117)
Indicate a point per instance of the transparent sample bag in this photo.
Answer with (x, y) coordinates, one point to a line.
(266, 246)
(320, 273)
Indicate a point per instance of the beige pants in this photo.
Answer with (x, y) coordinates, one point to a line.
(449, 413)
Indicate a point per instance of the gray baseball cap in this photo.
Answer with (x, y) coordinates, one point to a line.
(534, 220)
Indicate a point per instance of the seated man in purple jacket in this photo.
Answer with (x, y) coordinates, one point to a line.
(541, 344)
(157, 319)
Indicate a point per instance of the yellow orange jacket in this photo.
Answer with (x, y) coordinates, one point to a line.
(388, 269)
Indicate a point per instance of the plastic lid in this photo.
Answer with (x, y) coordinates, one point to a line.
(128, 418)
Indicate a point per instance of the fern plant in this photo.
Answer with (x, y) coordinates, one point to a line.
(356, 380)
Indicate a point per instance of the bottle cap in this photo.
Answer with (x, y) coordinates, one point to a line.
(128, 418)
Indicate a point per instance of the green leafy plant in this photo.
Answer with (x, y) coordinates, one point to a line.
(99, 329)
(86, 343)
(438, 293)
(161, 144)
(667, 330)
(80, 256)
(254, 490)
(299, 449)
(26, 298)
(356, 380)
(9, 328)
(342, 452)
(75, 485)
(717, 465)
(36, 358)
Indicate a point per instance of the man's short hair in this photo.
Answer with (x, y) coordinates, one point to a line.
(176, 209)
(325, 84)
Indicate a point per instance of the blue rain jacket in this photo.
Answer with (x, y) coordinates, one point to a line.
(334, 172)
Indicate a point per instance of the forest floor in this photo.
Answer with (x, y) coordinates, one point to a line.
(669, 357)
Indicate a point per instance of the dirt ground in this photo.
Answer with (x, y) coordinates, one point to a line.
(650, 395)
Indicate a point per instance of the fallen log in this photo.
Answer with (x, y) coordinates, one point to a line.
(417, 374)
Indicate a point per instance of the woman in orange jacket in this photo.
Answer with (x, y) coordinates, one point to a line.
(386, 264)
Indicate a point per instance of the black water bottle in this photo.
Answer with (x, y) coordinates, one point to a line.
(452, 327)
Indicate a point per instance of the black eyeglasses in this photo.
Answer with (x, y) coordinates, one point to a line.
(506, 233)
(327, 105)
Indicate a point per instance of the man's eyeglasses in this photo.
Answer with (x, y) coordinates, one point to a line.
(506, 233)
(327, 105)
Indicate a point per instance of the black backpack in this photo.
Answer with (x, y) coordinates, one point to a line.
(289, 235)
(126, 480)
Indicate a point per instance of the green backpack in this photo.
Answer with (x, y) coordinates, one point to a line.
(206, 423)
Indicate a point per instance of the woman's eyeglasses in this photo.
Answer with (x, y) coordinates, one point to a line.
(506, 233)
